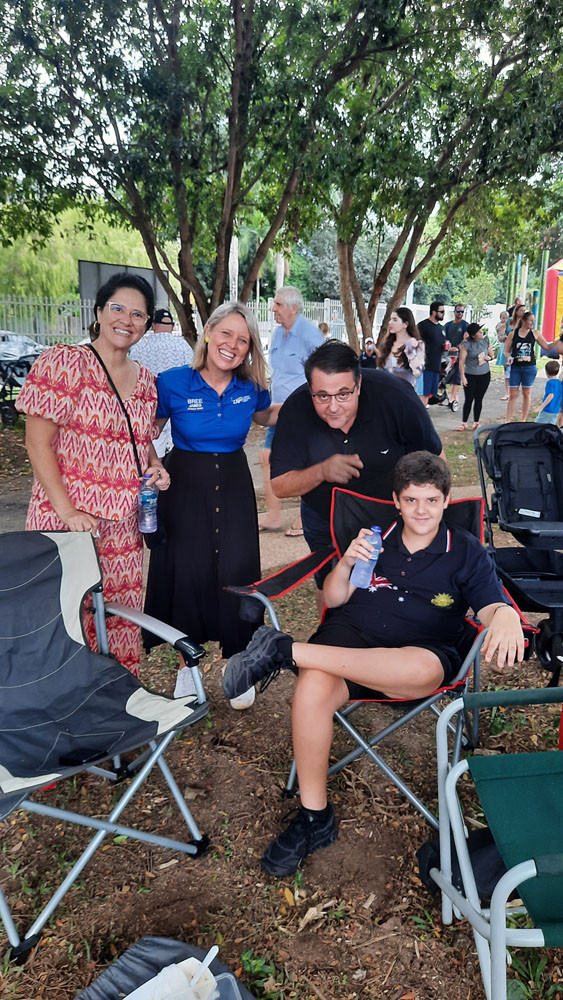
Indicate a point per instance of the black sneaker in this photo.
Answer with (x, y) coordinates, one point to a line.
(268, 652)
(304, 835)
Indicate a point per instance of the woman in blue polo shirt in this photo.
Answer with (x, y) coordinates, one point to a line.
(210, 511)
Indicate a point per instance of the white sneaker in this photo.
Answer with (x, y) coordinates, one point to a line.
(184, 683)
(245, 700)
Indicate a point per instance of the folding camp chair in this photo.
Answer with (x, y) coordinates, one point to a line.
(521, 796)
(65, 709)
(350, 512)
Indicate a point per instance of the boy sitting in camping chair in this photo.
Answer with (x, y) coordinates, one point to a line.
(399, 638)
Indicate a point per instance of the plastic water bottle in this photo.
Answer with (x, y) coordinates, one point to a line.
(146, 506)
(362, 571)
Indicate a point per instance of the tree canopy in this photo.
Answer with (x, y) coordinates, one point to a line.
(186, 119)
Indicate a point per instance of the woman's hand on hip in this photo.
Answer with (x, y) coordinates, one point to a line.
(159, 476)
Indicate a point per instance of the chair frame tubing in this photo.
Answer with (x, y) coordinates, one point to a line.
(490, 932)
(104, 827)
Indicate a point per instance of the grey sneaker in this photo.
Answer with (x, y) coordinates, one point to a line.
(268, 652)
(304, 835)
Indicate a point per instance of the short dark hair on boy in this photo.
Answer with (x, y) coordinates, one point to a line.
(552, 368)
(421, 468)
(333, 357)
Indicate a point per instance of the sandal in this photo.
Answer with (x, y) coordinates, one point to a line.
(294, 532)
(462, 427)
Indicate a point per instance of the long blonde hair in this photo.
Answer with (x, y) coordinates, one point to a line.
(253, 368)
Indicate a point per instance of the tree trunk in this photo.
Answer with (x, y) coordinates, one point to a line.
(363, 316)
(345, 295)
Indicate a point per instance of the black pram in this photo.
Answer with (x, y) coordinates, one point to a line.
(524, 464)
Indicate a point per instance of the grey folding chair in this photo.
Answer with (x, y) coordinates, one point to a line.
(65, 709)
(522, 798)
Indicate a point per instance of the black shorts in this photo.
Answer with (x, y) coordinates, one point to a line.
(346, 636)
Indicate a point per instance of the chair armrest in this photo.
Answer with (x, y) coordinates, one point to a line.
(191, 651)
(532, 696)
(286, 579)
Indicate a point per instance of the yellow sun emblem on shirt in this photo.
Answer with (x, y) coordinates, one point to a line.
(442, 600)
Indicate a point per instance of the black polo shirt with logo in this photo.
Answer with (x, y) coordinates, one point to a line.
(390, 422)
(421, 598)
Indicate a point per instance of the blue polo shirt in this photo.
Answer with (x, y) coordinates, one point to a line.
(421, 598)
(201, 420)
(288, 353)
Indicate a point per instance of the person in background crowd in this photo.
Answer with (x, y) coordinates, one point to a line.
(325, 329)
(368, 357)
(209, 515)
(158, 351)
(520, 349)
(434, 337)
(293, 340)
(500, 330)
(79, 444)
(517, 302)
(475, 355)
(401, 350)
(549, 410)
(455, 334)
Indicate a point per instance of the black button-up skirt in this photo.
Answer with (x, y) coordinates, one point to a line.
(209, 514)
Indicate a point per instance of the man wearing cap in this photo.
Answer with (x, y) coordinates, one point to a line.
(368, 357)
(159, 350)
(293, 340)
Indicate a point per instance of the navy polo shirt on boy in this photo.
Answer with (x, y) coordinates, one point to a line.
(202, 420)
(421, 598)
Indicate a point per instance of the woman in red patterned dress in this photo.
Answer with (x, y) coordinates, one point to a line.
(78, 441)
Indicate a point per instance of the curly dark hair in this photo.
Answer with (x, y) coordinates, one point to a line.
(421, 468)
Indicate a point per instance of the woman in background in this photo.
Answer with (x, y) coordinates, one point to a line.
(401, 350)
(475, 355)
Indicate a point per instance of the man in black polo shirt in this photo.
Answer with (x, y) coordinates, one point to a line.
(398, 639)
(434, 337)
(344, 427)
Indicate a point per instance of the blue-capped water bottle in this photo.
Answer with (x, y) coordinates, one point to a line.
(362, 572)
(146, 506)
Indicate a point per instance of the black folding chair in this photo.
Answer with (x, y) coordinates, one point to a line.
(351, 511)
(66, 709)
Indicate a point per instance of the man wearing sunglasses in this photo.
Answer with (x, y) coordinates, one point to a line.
(455, 334)
(346, 427)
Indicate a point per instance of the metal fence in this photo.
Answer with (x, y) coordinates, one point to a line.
(56, 321)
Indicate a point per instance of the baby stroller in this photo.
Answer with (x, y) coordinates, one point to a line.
(13, 373)
(524, 464)
(448, 366)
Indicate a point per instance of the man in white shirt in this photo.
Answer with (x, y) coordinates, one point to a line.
(159, 350)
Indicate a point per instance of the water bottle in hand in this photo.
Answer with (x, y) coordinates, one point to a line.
(146, 506)
(362, 572)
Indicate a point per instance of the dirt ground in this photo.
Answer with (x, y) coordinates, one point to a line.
(355, 923)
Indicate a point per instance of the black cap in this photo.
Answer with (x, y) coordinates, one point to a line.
(473, 328)
(163, 316)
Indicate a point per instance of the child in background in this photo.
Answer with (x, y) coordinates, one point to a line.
(548, 412)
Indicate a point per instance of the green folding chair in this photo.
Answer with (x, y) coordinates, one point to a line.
(522, 799)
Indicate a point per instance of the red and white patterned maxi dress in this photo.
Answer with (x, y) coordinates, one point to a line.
(95, 458)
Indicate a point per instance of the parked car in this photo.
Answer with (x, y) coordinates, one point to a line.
(17, 345)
